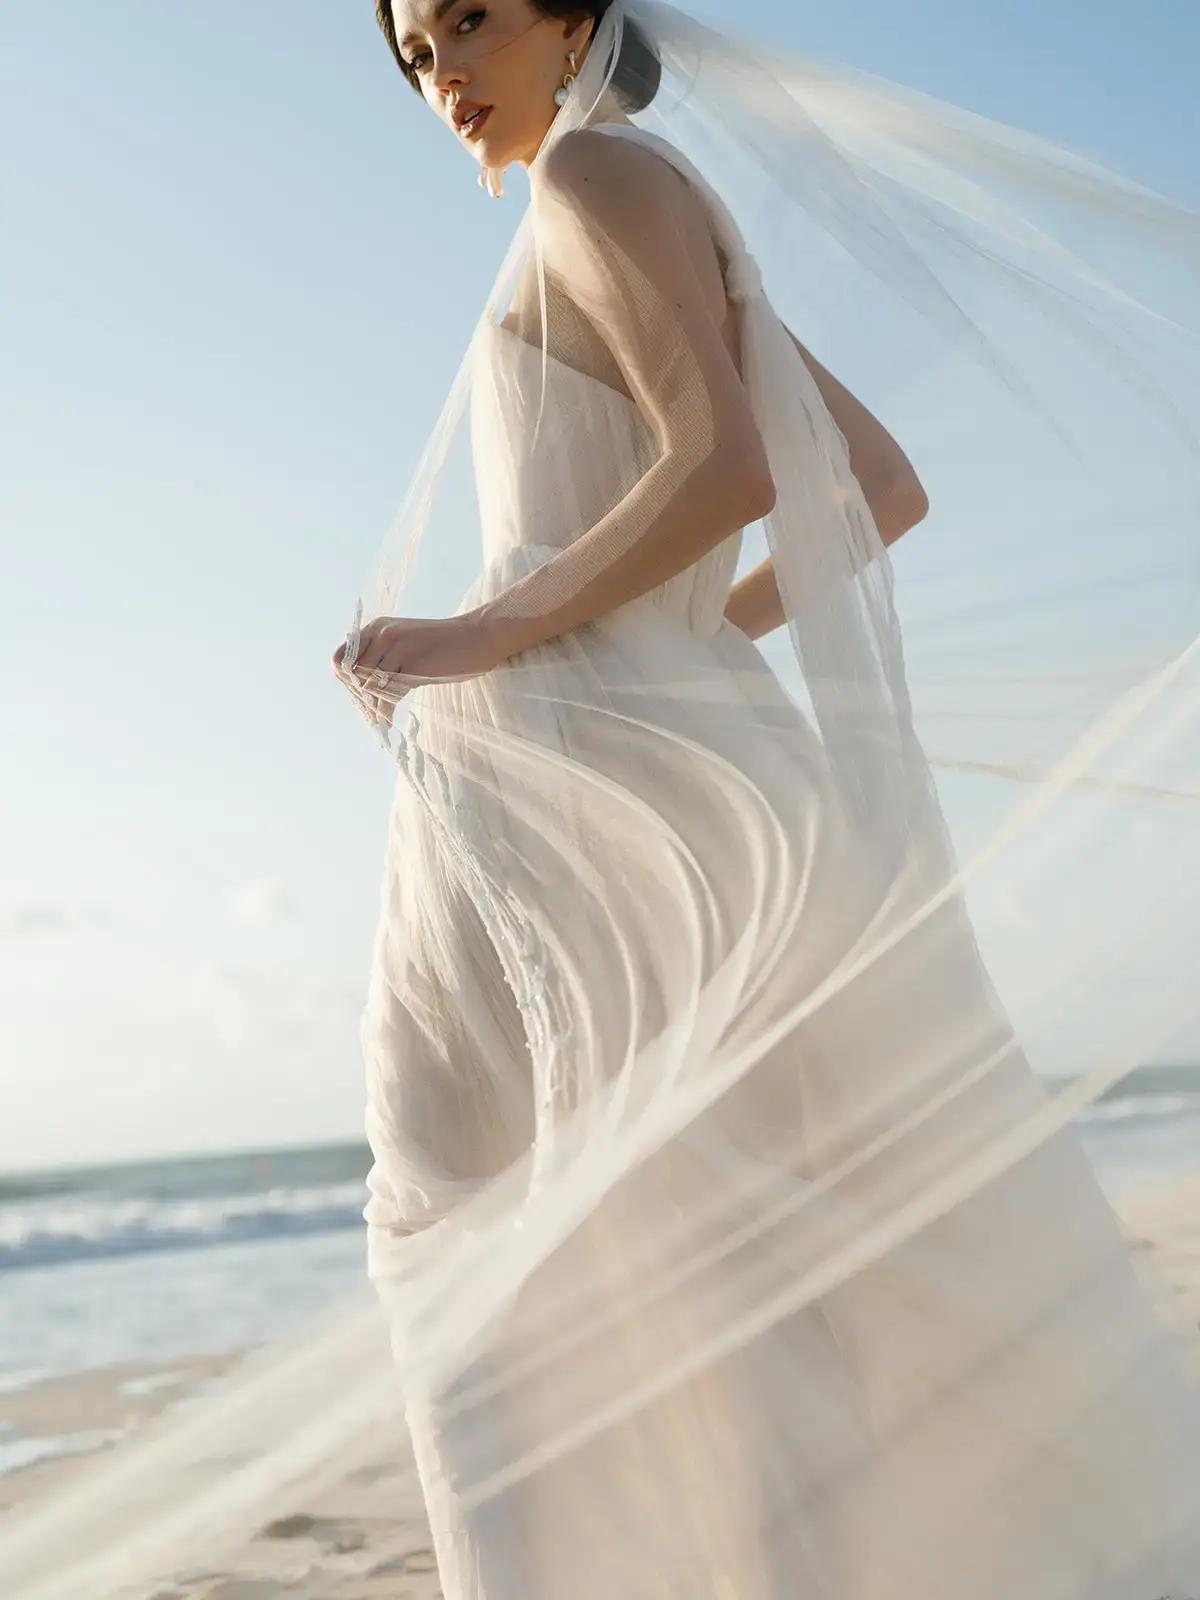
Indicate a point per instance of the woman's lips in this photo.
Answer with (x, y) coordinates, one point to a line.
(470, 129)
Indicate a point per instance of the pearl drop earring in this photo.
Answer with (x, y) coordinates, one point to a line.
(564, 88)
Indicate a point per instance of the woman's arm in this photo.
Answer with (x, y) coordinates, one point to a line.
(754, 604)
(889, 482)
(612, 218)
(885, 474)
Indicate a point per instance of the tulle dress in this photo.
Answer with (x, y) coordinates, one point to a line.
(989, 1407)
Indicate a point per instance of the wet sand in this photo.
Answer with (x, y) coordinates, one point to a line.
(362, 1534)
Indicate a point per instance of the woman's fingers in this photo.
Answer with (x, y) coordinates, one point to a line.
(373, 643)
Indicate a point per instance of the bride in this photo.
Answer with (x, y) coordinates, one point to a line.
(730, 1243)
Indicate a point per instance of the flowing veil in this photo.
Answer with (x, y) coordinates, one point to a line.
(768, 1263)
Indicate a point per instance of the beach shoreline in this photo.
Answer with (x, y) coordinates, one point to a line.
(363, 1535)
(95, 1409)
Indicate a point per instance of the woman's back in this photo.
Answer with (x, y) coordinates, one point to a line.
(593, 442)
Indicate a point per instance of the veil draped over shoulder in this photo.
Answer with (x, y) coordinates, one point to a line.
(731, 1002)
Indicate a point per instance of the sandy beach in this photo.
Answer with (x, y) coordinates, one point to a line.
(1162, 1225)
(362, 1534)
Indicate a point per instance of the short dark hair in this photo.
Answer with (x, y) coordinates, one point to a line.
(635, 77)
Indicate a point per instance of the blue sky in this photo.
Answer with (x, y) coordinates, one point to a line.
(240, 262)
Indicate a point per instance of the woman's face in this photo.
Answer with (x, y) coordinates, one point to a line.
(503, 55)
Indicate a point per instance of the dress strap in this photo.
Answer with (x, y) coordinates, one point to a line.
(743, 278)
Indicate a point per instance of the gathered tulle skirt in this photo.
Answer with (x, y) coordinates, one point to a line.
(868, 1350)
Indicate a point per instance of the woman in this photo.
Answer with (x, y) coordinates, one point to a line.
(731, 1245)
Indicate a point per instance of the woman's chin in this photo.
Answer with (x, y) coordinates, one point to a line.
(496, 148)
(492, 152)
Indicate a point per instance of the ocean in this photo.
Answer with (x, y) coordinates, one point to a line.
(154, 1262)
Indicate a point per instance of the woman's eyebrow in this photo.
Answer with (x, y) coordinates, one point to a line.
(439, 11)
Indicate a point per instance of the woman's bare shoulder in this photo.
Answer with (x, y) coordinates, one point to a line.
(617, 176)
(637, 197)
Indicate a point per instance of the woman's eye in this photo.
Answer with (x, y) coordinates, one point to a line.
(416, 60)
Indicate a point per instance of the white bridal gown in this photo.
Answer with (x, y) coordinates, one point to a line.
(987, 1408)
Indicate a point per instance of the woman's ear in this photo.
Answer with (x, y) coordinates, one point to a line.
(577, 35)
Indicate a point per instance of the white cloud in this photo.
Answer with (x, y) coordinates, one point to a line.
(261, 902)
(31, 920)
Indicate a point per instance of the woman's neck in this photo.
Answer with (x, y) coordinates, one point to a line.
(607, 109)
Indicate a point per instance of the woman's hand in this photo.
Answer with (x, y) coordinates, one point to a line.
(396, 654)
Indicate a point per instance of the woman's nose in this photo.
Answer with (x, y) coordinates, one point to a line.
(449, 73)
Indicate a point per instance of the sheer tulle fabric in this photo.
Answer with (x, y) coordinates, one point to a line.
(725, 1232)
(769, 1270)
(729, 1005)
